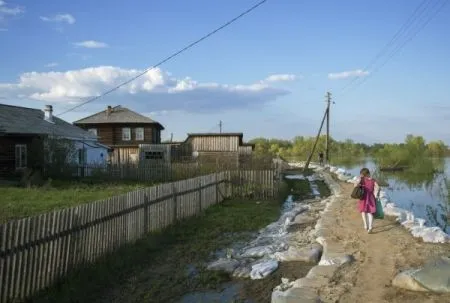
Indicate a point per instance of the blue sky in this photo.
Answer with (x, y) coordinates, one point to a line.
(265, 75)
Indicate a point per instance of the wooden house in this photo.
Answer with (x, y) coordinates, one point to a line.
(224, 149)
(124, 131)
(25, 135)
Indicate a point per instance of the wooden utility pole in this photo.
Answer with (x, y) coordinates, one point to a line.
(220, 126)
(317, 140)
(327, 142)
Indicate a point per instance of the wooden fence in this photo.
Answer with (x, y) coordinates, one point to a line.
(38, 251)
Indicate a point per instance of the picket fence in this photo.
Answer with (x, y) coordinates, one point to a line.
(36, 252)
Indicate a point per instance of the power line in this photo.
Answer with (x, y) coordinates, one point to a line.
(396, 50)
(406, 27)
(168, 58)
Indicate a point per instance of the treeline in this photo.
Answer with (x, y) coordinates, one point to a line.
(401, 154)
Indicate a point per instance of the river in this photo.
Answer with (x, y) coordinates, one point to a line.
(421, 192)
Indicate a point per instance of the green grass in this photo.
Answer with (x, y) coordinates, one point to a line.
(323, 189)
(18, 202)
(154, 269)
(301, 189)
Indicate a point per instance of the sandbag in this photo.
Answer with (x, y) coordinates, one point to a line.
(433, 276)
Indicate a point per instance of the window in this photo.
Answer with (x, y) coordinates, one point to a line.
(139, 134)
(126, 134)
(21, 156)
(82, 156)
(153, 155)
(93, 131)
(156, 136)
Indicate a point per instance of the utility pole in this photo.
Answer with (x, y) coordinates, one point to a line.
(171, 137)
(220, 126)
(327, 142)
(317, 140)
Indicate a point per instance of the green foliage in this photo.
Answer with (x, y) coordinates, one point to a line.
(301, 147)
(410, 153)
(402, 154)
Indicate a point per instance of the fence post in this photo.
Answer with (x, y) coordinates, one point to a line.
(174, 203)
(200, 195)
(217, 188)
(146, 225)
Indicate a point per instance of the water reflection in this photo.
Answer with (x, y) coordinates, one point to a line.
(421, 188)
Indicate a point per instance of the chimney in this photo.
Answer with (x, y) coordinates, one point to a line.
(108, 110)
(48, 113)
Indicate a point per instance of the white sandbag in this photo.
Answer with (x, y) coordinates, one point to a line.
(263, 269)
(406, 281)
(326, 261)
(430, 234)
(224, 264)
(258, 252)
(310, 254)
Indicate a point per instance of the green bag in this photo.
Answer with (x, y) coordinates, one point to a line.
(379, 214)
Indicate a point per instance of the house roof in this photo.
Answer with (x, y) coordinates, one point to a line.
(215, 135)
(117, 114)
(23, 120)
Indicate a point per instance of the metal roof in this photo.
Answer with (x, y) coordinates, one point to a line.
(117, 114)
(23, 120)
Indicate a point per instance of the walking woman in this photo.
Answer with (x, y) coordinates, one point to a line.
(367, 205)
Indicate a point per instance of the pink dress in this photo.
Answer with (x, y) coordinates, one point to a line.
(368, 204)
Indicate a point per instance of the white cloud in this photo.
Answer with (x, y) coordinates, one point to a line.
(8, 12)
(91, 44)
(68, 18)
(281, 78)
(52, 64)
(347, 74)
(155, 91)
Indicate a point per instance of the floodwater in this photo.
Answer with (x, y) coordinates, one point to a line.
(228, 293)
(420, 192)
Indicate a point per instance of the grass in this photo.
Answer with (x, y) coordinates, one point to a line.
(301, 189)
(18, 202)
(155, 268)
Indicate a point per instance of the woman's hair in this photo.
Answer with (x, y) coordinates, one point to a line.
(365, 172)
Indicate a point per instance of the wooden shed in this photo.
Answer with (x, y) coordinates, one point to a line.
(224, 149)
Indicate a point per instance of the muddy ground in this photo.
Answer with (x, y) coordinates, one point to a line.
(379, 257)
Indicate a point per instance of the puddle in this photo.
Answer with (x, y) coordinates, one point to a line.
(230, 292)
(191, 271)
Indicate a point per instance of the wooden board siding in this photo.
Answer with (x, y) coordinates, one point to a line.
(123, 155)
(111, 134)
(245, 150)
(215, 143)
(8, 155)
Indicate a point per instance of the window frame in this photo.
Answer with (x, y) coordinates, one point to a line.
(23, 151)
(153, 155)
(139, 132)
(126, 130)
(93, 131)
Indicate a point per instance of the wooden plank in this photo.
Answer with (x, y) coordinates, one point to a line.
(8, 232)
(28, 268)
(25, 259)
(35, 253)
(68, 243)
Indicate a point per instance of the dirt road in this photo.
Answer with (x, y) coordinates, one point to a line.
(379, 257)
